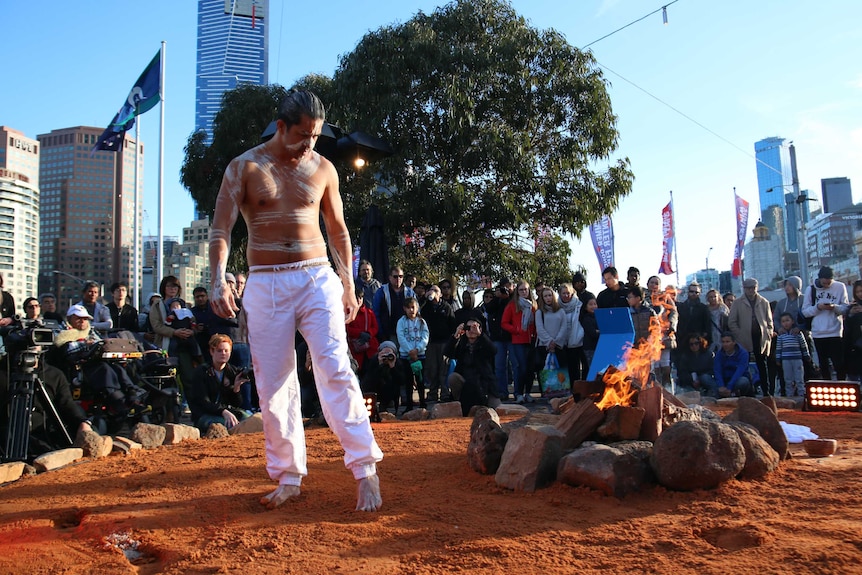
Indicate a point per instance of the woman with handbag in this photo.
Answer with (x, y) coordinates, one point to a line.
(552, 332)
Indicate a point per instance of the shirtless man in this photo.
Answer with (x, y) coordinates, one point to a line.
(281, 187)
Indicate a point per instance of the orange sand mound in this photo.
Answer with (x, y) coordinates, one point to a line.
(193, 508)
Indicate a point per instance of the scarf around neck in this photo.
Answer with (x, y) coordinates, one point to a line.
(526, 307)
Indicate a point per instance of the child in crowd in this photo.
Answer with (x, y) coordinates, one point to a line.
(790, 350)
(180, 317)
(413, 336)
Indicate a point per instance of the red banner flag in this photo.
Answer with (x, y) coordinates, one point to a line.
(667, 239)
(741, 228)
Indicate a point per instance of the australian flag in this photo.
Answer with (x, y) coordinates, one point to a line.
(143, 96)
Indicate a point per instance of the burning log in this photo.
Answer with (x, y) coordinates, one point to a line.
(579, 422)
(622, 423)
(583, 389)
(652, 402)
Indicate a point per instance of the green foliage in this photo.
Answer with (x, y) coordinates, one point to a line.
(496, 127)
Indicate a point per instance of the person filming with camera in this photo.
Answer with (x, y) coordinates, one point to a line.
(53, 418)
(473, 380)
(386, 375)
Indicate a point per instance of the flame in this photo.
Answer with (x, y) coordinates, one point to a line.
(622, 385)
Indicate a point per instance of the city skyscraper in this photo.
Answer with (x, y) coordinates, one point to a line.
(232, 47)
(774, 179)
(87, 211)
(836, 193)
(19, 214)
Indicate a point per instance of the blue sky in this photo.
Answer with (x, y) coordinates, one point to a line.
(745, 70)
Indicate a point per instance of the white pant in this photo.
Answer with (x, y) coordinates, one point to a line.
(309, 300)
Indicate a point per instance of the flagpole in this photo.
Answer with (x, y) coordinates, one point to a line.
(136, 242)
(675, 242)
(159, 254)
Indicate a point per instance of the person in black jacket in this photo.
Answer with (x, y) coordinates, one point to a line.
(502, 340)
(696, 366)
(214, 395)
(591, 330)
(123, 315)
(440, 318)
(473, 381)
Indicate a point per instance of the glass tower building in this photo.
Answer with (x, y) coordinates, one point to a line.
(87, 212)
(232, 48)
(774, 180)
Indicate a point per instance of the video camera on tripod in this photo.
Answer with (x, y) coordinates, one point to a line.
(25, 341)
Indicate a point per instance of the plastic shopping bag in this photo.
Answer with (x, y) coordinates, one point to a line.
(554, 381)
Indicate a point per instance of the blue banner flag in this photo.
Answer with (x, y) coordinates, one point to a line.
(142, 97)
(602, 232)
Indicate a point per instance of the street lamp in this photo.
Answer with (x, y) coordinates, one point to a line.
(76, 278)
(708, 277)
(801, 238)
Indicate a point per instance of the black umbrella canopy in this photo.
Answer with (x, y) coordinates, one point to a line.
(372, 243)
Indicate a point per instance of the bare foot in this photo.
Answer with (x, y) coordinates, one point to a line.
(368, 494)
(280, 495)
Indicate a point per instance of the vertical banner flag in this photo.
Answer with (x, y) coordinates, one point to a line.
(741, 227)
(142, 97)
(667, 239)
(602, 232)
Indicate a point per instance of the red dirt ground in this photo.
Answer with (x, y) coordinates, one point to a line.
(193, 508)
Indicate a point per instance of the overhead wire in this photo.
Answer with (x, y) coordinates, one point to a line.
(666, 104)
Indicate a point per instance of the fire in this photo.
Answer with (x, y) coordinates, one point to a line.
(622, 385)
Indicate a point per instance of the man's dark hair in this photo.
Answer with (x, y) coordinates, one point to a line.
(634, 270)
(637, 292)
(300, 103)
(611, 270)
(117, 285)
(729, 334)
(199, 289)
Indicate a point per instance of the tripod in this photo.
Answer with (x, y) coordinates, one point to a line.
(23, 386)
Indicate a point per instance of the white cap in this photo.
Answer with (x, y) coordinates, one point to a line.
(79, 311)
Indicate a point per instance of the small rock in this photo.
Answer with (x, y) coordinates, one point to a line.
(419, 414)
(11, 471)
(727, 401)
(253, 424)
(148, 435)
(760, 458)
(56, 459)
(530, 458)
(482, 413)
(385, 416)
(613, 471)
(820, 447)
(93, 444)
(177, 433)
(697, 455)
(671, 414)
(448, 410)
(511, 409)
(216, 431)
(763, 418)
(487, 443)
(131, 445)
